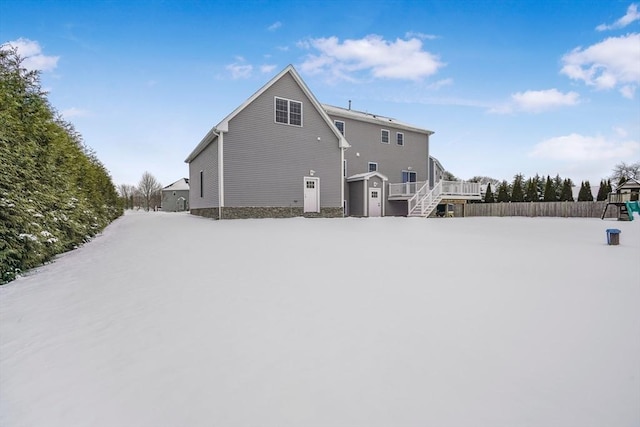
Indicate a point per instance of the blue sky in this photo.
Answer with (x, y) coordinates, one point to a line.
(547, 87)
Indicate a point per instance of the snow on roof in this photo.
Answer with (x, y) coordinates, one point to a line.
(181, 184)
(372, 118)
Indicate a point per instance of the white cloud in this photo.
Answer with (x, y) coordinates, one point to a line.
(631, 16)
(31, 52)
(422, 36)
(441, 83)
(400, 59)
(536, 101)
(621, 132)
(267, 68)
(274, 26)
(240, 71)
(612, 63)
(540, 100)
(580, 148)
(74, 112)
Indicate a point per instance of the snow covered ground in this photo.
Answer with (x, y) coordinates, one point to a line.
(174, 320)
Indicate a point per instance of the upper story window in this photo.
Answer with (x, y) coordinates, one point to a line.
(288, 112)
(340, 125)
(400, 138)
(373, 167)
(384, 136)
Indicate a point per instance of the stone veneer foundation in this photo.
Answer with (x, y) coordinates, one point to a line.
(266, 212)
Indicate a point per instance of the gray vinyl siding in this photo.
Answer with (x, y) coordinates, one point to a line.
(435, 173)
(206, 161)
(356, 198)
(392, 159)
(397, 208)
(265, 162)
(170, 200)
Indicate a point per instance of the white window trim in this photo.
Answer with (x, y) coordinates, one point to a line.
(411, 173)
(382, 131)
(369, 166)
(397, 135)
(289, 101)
(344, 126)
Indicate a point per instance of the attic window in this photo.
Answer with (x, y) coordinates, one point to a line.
(340, 126)
(288, 112)
(400, 138)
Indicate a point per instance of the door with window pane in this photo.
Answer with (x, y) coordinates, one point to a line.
(409, 180)
(312, 195)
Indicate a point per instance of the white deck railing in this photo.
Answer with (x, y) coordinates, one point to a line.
(405, 189)
(460, 188)
(424, 201)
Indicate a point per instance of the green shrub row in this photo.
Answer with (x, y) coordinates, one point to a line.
(54, 192)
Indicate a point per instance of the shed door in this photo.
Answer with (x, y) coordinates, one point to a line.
(375, 202)
(311, 195)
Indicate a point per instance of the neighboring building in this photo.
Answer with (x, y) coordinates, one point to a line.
(282, 153)
(175, 197)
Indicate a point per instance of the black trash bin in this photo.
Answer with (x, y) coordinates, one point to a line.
(613, 236)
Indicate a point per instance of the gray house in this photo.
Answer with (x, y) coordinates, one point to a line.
(282, 153)
(175, 197)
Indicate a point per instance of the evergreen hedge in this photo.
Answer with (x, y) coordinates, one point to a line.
(54, 192)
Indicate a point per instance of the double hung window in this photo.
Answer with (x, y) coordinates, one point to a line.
(384, 136)
(288, 112)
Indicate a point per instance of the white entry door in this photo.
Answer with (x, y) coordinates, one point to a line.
(311, 194)
(375, 202)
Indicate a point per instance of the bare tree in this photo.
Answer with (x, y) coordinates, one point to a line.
(127, 192)
(623, 172)
(150, 188)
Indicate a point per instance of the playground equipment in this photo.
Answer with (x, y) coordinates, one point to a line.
(631, 208)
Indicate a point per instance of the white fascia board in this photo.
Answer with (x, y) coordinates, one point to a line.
(208, 139)
(373, 118)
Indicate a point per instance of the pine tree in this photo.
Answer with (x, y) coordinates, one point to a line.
(549, 191)
(540, 184)
(517, 192)
(567, 191)
(585, 192)
(557, 186)
(488, 195)
(602, 191)
(531, 191)
(588, 193)
(503, 192)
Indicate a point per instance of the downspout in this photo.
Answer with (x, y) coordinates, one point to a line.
(343, 180)
(220, 173)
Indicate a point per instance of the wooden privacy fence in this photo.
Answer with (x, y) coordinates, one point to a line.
(533, 209)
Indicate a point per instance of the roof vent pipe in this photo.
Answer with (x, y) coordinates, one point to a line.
(349, 104)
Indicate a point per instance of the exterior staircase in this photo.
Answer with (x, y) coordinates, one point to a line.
(424, 201)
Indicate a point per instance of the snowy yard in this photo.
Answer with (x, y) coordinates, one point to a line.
(174, 320)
